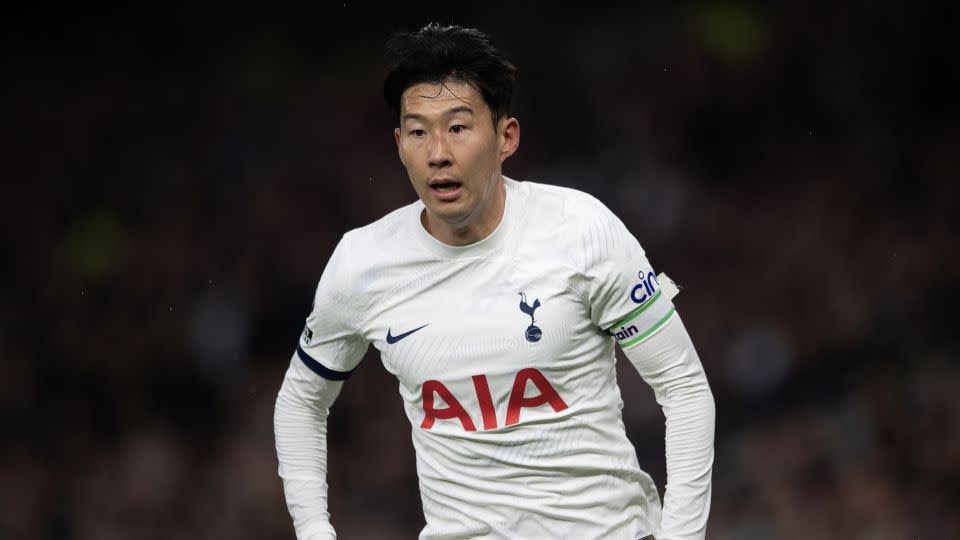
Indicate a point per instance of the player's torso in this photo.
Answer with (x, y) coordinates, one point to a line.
(509, 386)
(506, 337)
(513, 403)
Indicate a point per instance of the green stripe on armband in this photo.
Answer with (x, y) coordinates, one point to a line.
(636, 313)
(650, 331)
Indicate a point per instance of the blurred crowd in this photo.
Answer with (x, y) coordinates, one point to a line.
(175, 182)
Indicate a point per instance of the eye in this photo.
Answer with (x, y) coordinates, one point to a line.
(457, 128)
(417, 132)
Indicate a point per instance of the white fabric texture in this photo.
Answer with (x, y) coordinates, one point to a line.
(300, 428)
(668, 362)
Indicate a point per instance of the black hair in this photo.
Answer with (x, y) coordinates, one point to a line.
(438, 53)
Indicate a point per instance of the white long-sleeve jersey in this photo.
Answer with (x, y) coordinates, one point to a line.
(504, 354)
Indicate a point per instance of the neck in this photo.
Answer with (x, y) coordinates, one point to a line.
(474, 227)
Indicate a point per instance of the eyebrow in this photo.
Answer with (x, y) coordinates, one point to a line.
(448, 112)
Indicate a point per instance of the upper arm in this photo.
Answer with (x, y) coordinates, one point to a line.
(332, 342)
(302, 385)
(620, 285)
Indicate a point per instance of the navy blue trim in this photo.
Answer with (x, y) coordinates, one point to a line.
(322, 370)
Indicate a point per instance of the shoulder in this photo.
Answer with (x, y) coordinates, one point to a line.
(378, 240)
(579, 227)
(568, 208)
(366, 257)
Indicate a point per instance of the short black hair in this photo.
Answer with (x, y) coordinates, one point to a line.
(438, 53)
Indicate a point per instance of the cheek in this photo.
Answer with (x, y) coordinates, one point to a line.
(480, 155)
(408, 155)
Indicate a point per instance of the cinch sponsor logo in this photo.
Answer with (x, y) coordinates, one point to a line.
(645, 289)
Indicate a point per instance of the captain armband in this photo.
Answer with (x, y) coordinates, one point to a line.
(654, 296)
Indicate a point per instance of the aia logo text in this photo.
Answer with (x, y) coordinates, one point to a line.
(518, 400)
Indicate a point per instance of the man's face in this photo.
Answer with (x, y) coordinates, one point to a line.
(452, 153)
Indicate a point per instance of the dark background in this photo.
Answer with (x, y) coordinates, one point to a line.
(175, 178)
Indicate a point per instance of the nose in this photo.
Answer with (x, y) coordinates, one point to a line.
(439, 154)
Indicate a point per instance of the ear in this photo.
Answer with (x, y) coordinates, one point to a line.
(396, 136)
(509, 137)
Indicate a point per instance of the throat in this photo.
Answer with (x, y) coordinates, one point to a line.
(457, 233)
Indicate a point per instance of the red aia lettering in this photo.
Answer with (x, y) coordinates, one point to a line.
(486, 402)
(518, 400)
(453, 410)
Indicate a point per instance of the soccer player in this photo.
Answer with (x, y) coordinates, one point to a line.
(497, 304)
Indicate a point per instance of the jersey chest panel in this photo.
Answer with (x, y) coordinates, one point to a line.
(484, 325)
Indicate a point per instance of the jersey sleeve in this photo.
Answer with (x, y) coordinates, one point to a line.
(332, 343)
(624, 295)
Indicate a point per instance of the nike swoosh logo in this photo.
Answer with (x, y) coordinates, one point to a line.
(393, 339)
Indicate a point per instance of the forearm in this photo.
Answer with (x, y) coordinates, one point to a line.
(300, 427)
(668, 362)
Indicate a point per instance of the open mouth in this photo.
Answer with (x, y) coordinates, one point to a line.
(445, 186)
